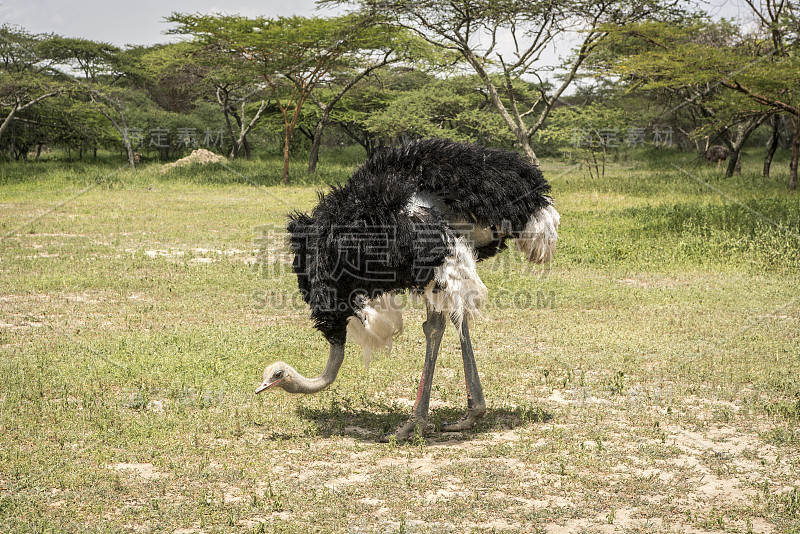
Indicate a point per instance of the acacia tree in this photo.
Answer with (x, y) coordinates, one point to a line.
(26, 76)
(473, 29)
(371, 97)
(290, 54)
(774, 82)
(90, 58)
(378, 46)
(738, 84)
(454, 108)
(102, 66)
(778, 126)
(180, 74)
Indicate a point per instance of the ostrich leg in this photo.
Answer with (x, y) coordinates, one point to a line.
(434, 329)
(476, 406)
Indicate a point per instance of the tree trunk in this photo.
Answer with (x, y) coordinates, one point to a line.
(730, 169)
(238, 142)
(795, 153)
(525, 143)
(223, 99)
(8, 119)
(290, 125)
(128, 148)
(286, 155)
(772, 145)
(313, 158)
(742, 133)
(234, 146)
(121, 126)
(734, 161)
(244, 129)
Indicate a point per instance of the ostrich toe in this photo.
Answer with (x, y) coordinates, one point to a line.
(404, 432)
(466, 422)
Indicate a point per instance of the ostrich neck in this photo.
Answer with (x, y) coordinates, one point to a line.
(313, 385)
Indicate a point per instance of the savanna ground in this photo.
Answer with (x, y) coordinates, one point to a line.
(646, 382)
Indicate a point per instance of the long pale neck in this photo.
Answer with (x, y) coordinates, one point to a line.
(312, 385)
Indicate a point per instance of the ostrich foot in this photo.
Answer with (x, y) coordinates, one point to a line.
(466, 422)
(405, 432)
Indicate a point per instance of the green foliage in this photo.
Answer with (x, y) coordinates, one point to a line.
(92, 58)
(290, 54)
(293, 48)
(442, 108)
(715, 64)
(590, 132)
(590, 123)
(253, 78)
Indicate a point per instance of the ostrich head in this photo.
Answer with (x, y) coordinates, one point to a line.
(283, 375)
(278, 374)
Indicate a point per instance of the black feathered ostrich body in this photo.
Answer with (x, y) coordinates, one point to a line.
(413, 218)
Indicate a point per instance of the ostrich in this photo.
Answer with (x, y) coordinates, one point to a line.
(415, 218)
(717, 154)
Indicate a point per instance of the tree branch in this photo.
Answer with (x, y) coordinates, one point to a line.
(761, 99)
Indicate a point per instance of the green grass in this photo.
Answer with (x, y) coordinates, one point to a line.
(645, 382)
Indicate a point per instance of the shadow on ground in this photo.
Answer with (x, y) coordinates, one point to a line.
(369, 424)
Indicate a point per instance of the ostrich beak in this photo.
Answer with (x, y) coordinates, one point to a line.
(266, 385)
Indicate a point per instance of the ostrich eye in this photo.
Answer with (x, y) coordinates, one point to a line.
(278, 374)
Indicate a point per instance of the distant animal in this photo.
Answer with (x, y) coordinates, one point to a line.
(415, 218)
(717, 154)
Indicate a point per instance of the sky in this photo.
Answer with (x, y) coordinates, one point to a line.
(131, 22)
(142, 21)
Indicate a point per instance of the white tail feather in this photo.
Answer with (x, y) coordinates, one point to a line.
(375, 325)
(538, 240)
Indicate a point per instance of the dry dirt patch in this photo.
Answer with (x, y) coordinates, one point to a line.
(625, 482)
(145, 471)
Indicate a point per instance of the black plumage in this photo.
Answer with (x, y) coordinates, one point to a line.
(368, 236)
